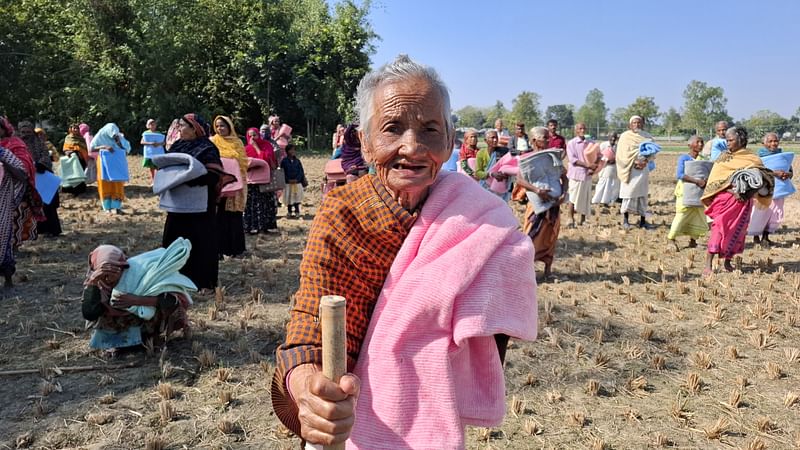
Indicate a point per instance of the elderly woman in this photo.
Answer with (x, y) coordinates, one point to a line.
(133, 300)
(543, 228)
(633, 173)
(112, 166)
(230, 210)
(417, 330)
(486, 159)
(689, 220)
(469, 150)
(606, 192)
(764, 221)
(51, 225)
(729, 198)
(199, 228)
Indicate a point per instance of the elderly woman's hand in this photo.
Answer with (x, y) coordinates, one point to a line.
(326, 409)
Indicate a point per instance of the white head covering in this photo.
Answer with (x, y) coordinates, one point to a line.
(635, 117)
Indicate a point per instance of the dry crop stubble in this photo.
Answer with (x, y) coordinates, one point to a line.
(622, 305)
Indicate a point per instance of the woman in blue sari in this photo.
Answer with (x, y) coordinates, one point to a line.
(112, 166)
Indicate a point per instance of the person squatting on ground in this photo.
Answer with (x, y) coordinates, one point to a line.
(366, 243)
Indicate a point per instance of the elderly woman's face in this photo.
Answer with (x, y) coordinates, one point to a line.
(540, 142)
(733, 142)
(697, 146)
(772, 142)
(471, 140)
(222, 128)
(408, 138)
(187, 130)
(491, 139)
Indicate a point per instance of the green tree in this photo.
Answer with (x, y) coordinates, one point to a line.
(672, 120)
(498, 111)
(471, 117)
(619, 119)
(593, 112)
(764, 121)
(525, 109)
(703, 106)
(645, 107)
(562, 113)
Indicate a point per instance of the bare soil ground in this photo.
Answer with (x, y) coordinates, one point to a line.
(636, 349)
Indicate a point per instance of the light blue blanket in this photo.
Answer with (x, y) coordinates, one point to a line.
(72, 173)
(113, 164)
(780, 161)
(156, 272)
(47, 184)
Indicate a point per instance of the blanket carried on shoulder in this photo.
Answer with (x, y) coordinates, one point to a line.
(429, 364)
(543, 170)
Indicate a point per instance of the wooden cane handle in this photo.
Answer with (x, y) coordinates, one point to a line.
(334, 351)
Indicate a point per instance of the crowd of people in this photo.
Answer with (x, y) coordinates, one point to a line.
(415, 202)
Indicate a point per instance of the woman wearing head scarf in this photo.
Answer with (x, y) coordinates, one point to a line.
(51, 149)
(199, 228)
(51, 225)
(29, 209)
(260, 213)
(112, 166)
(469, 150)
(91, 168)
(75, 147)
(13, 185)
(230, 210)
(353, 162)
(135, 300)
(153, 144)
(729, 196)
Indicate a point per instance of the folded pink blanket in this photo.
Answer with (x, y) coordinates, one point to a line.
(429, 363)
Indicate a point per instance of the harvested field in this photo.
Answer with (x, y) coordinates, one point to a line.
(635, 349)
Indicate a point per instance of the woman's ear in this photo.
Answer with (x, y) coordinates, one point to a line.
(366, 148)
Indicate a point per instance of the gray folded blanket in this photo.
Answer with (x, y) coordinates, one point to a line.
(746, 183)
(175, 169)
(692, 193)
(543, 170)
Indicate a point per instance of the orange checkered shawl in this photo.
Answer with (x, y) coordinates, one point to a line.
(353, 242)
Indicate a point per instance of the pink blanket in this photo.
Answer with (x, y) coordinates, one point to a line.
(429, 363)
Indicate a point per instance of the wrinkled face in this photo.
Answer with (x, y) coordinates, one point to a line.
(636, 124)
(721, 127)
(471, 140)
(733, 142)
(552, 127)
(491, 139)
(772, 142)
(408, 137)
(187, 130)
(222, 128)
(580, 130)
(696, 147)
(498, 124)
(541, 142)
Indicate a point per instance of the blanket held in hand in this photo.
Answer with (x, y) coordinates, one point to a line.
(780, 161)
(691, 192)
(156, 272)
(429, 363)
(169, 183)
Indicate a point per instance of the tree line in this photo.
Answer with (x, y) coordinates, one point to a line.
(129, 60)
(703, 106)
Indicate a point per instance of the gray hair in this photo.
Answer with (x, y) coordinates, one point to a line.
(401, 69)
(539, 133)
(693, 139)
(725, 122)
(738, 133)
(771, 133)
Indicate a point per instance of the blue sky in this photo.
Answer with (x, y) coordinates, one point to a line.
(492, 50)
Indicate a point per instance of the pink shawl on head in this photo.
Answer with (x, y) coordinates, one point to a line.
(103, 260)
(429, 363)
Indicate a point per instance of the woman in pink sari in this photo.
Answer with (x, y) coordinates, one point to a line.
(729, 208)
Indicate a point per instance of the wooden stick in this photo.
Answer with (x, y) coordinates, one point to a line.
(68, 369)
(334, 351)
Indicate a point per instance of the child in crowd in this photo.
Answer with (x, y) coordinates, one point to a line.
(295, 181)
